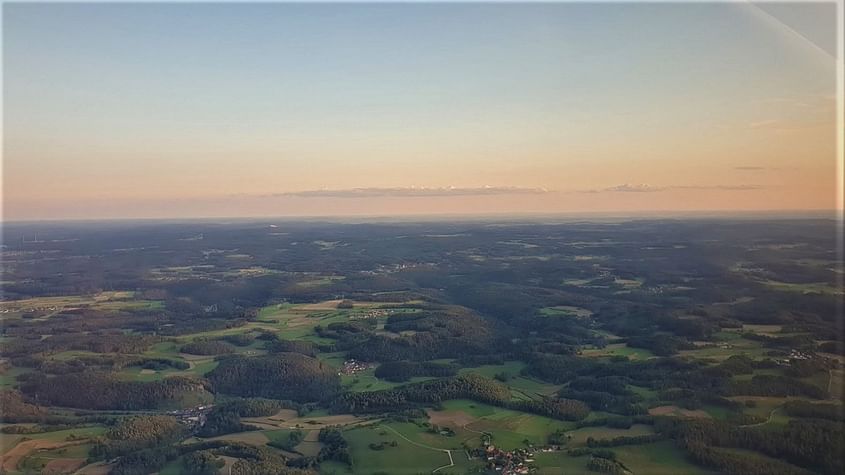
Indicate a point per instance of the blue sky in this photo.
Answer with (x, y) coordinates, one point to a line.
(147, 103)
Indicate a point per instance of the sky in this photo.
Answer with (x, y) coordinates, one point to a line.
(164, 110)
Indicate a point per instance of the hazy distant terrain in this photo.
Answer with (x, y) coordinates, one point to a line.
(459, 238)
(642, 346)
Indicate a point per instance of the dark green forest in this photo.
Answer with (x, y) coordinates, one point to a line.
(306, 347)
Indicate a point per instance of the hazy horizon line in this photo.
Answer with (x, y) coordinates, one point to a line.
(815, 213)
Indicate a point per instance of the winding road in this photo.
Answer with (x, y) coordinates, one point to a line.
(448, 452)
(769, 419)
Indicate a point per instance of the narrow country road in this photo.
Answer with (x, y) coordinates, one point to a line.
(769, 419)
(448, 452)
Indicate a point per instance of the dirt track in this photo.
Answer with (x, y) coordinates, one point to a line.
(66, 465)
(677, 411)
(12, 458)
(450, 418)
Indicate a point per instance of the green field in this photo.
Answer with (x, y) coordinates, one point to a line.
(763, 406)
(199, 365)
(421, 435)
(657, 458)
(61, 435)
(278, 436)
(367, 381)
(619, 349)
(509, 429)
(293, 321)
(46, 307)
(557, 463)
(37, 461)
(717, 412)
(330, 467)
(173, 467)
(404, 458)
(645, 393)
(727, 344)
(362, 380)
(565, 311)
(320, 281)
(9, 377)
(474, 409)
(629, 283)
(809, 288)
(512, 368)
(290, 321)
(579, 436)
(298, 321)
(521, 386)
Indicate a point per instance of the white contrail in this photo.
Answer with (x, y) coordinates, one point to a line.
(789, 33)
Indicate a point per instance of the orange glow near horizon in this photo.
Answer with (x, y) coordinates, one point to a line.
(573, 112)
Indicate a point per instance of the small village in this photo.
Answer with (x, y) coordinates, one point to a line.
(511, 462)
(193, 417)
(353, 366)
(794, 355)
(375, 313)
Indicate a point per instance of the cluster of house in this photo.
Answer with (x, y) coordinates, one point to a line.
(387, 269)
(193, 417)
(511, 462)
(375, 313)
(354, 366)
(794, 355)
(29, 309)
(514, 462)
